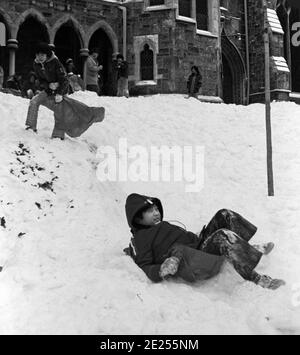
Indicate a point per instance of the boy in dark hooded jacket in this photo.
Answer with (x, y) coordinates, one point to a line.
(162, 250)
(54, 85)
(71, 116)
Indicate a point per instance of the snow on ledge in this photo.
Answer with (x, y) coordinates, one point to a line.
(281, 64)
(212, 99)
(274, 21)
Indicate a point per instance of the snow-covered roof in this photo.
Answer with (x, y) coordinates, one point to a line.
(274, 21)
(281, 64)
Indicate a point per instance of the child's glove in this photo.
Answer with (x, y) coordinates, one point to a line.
(58, 99)
(169, 267)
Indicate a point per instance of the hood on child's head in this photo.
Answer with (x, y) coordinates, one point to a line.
(135, 203)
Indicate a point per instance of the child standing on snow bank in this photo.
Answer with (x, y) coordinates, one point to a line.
(54, 84)
(163, 250)
(71, 116)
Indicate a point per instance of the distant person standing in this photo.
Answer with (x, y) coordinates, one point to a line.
(75, 80)
(194, 82)
(92, 71)
(70, 66)
(1, 77)
(122, 76)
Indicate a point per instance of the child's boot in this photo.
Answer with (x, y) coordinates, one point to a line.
(28, 128)
(269, 283)
(265, 248)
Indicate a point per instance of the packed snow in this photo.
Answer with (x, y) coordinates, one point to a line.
(63, 231)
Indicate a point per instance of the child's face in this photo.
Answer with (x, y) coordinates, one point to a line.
(151, 216)
(41, 57)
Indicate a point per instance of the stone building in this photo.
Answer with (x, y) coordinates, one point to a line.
(161, 40)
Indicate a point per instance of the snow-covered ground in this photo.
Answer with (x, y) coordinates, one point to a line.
(64, 271)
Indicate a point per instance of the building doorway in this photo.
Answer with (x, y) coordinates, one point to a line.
(227, 82)
(30, 33)
(233, 73)
(108, 76)
(67, 45)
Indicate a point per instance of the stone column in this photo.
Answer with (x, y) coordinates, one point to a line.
(12, 45)
(84, 53)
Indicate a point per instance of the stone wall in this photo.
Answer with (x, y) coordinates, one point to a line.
(176, 42)
(256, 45)
(234, 25)
(180, 47)
(279, 79)
(85, 13)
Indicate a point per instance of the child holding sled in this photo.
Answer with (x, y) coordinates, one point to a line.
(71, 116)
(163, 250)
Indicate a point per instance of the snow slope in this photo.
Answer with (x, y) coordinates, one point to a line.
(64, 271)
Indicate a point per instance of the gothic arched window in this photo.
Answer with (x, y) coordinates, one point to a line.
(147, 64)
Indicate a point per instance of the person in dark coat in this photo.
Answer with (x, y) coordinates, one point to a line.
(71, 116)
(75, 81)
(194, 82)
(93, 70)
(164, 250)
(31, 86)
(14, 84)
(54, 85)
(70, 66)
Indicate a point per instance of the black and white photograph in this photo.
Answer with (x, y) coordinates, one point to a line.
(150, 170)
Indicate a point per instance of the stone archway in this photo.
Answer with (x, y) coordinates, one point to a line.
(71, 21)
(105, 27)
(30, 31)
(32, 13)
(6, 19)
(68, 44)
(100, 39)
(233, 73)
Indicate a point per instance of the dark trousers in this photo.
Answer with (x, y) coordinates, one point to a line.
(228, 234)
(48, 101)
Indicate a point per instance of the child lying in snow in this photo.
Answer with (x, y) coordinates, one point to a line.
(162, 250)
